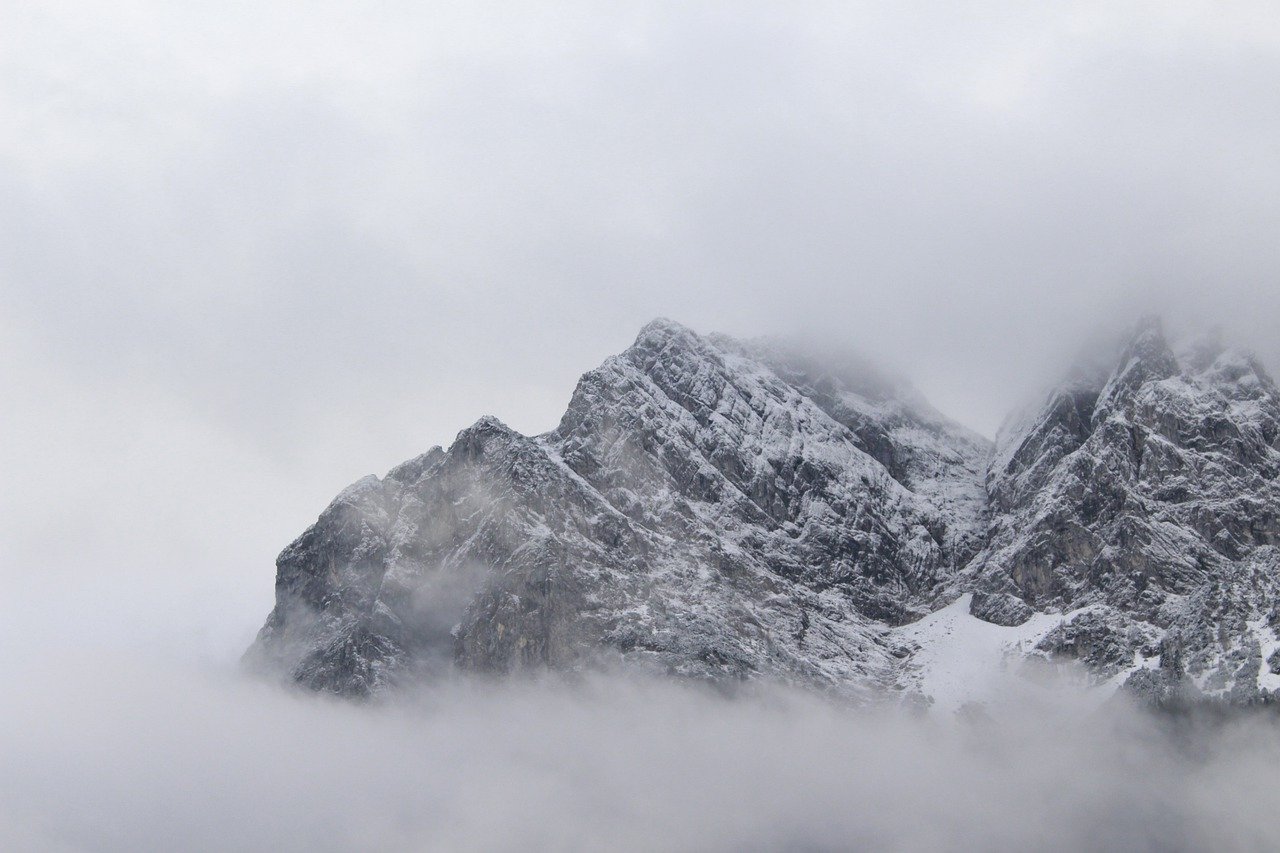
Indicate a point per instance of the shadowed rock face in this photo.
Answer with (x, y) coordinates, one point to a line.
(716, 509)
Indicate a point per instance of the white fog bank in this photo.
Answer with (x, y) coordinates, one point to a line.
(125, 755)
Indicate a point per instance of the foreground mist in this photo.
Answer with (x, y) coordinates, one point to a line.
(130, 755)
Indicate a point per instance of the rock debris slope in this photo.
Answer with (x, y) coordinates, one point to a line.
(716, 509)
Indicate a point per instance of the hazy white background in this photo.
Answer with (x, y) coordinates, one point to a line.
(251, 251)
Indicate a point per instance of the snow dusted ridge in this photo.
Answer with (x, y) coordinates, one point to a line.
(715, 509)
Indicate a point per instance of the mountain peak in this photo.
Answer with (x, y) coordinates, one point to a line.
(483, 436)
(720, 509)
(1147, 341)
(1147, 325)
(661, 333)
(487, 424)
(662, 326)
(1146, 357)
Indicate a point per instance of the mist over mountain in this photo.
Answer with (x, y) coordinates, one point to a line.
(730, 511)
(914, 552)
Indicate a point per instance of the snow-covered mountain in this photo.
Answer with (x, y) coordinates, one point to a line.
(716, 509)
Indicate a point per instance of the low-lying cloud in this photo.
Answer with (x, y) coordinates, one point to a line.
(128, 754)
(256, 251)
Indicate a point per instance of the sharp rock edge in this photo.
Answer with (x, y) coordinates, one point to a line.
(731, 511)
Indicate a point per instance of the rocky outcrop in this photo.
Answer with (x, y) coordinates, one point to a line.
(716, 509)
(1148, 496)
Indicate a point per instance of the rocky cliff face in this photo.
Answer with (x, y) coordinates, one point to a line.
(1145, 499)
(716, 509)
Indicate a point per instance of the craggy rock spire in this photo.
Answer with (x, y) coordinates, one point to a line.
(1149, 500)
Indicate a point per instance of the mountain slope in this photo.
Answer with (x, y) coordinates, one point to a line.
(1149, 494)
(694, 513)
(718, 509)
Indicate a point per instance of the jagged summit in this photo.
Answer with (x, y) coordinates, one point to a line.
(717, 509)
(1146, 358)
(1139, 497)
(664, 329)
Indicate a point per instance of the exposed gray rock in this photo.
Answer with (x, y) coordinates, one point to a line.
(1000, 608)
(1105, 640)
(1150, 490)
(723, 510)
(694, 513)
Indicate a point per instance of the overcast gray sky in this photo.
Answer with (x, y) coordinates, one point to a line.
(251, 251)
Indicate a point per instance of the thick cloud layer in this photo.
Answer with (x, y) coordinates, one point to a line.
(281, 212)
(255, 251)
(124, 755)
